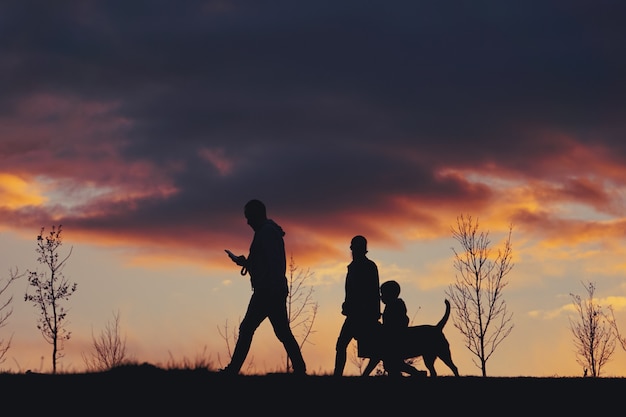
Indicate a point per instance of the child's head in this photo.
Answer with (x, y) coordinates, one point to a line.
(389, 290)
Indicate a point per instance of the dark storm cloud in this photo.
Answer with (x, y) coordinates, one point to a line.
(325, 105)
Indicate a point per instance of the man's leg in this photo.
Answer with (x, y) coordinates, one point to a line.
(282, 329)
(341, 349)
(251, 321)
(295, 354)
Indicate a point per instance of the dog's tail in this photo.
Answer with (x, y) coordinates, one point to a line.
(445, 317)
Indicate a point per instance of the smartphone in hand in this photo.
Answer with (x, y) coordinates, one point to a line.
(236, 259)
(231, 255)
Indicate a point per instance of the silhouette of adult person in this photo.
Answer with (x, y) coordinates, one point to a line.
(394, 327)
(361, 305)
(266, 265)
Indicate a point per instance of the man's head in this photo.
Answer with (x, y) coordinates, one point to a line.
(358, 245)
(255, 213)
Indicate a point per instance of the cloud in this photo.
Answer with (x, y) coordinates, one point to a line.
(154, 126)
(15, 192)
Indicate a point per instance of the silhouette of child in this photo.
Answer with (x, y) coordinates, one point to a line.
(395, 324)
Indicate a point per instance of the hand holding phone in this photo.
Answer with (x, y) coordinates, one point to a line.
(239, 260)
(231, 255)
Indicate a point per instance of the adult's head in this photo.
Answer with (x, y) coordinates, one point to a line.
(255, 213)
(358, 245)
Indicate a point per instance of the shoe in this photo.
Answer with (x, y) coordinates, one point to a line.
(227, 371)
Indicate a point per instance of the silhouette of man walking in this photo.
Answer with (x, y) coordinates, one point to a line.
(361, 305)
(266, 264)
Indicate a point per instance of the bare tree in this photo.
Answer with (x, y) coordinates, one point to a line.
(50, 290)
(301, 308)
(593, 335)
(613, 322)
(480, 310)
(109, 349)
(230, 338)
(6, 310)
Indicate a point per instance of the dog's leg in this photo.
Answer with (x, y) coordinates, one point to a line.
(429, 362)
(446, 357)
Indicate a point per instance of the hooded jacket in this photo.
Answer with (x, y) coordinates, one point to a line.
(266, 263)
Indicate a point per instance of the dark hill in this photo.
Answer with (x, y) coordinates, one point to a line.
(185, 392)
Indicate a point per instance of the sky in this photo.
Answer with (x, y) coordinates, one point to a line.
(144, 127)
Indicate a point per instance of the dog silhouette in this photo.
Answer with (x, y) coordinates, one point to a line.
(427, 341)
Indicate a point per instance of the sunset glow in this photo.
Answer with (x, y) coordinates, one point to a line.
(144, 133)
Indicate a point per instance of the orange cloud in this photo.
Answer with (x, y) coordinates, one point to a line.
(16, 193)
